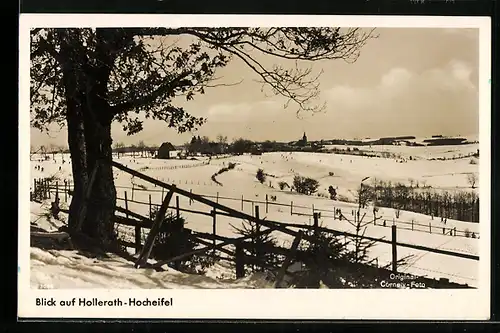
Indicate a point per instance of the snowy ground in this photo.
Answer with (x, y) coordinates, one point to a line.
(64, 269)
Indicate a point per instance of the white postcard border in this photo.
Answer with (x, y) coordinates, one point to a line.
(260, 303)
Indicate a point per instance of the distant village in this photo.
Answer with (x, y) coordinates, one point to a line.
(203, 146)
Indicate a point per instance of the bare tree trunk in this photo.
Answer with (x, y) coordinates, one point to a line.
(76, 143)
(98, 222)
(89, 135)
(76, 135)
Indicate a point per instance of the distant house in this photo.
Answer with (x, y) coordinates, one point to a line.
(256, 151)
(164, 152)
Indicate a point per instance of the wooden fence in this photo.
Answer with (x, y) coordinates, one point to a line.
(43, 190)
(174, 167)
(43, 187)
(140, 222)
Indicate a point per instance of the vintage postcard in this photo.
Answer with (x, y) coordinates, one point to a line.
(254, 167)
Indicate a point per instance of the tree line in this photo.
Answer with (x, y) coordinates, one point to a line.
(206, 146)
(140, 148)
(459, 205)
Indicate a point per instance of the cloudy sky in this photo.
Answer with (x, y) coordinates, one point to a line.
(411, 81)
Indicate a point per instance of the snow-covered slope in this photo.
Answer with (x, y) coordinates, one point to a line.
(78, 271)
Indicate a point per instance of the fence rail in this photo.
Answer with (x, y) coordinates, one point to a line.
(382, 220)
(132, 222)
(174, 167)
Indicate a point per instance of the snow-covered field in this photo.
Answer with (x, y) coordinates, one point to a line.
(66, 269)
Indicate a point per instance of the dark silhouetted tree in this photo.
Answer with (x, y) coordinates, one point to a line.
(261, 176)
(241, 146)
(305, 185)
(87, 78)
(333, 192)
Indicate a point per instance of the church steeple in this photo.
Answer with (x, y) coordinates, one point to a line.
(304, 138)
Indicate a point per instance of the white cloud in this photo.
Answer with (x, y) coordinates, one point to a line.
(240, 111)
(404, 101)
(396, 77)
(462, 72)
(465, 32)
(228, 110)
(401, 83)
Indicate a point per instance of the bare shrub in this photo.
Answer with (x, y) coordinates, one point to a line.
(472, 179)
(282, 185)
(343, 198)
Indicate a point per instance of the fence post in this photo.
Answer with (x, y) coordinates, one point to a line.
(313, 209)
(288, 260)
(239, 259)
(412, 224)
(316, 224)
(150, 207)
(256, 240)
(257, 217)
(57, 191)
(430, 228)
(454, 231)
(65, 191)
(291, 207)
(48, 188)
(190, 199)
(267, 205)
(137, 239)
(217, 197)
(214, 228)
(42, 187)
(253, 205)
(177, 208)
(126, 204)
(242, 202)
(155, 229)
(137, 229)
(133, 186)
(394, 250)
(162, 193)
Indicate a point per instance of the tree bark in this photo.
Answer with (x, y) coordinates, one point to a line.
(89, 140)
(76, 143)
(98, 222)
(76, 135)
